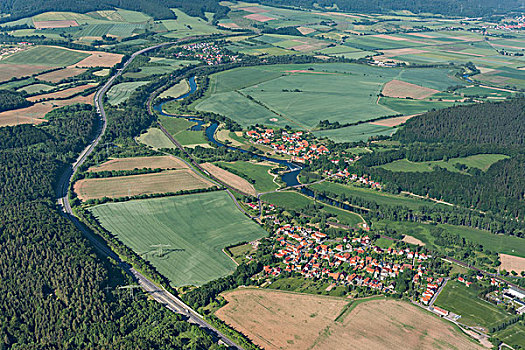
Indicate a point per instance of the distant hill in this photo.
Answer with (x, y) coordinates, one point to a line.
(158, 9)
(461, 8)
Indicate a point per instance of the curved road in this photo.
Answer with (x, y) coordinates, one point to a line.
(158, 293)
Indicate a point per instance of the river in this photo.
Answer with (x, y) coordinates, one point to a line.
(289, 178)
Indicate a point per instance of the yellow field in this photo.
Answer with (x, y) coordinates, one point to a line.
(135, 185)
(156, 162)
(233, 180)
(282, 320)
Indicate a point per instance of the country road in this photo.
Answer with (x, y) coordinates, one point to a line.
(159, 294)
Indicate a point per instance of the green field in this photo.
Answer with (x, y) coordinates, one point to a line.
(121, 92)
(479, 161)
(355, 133)
(464, 301)
(513, 335)
(186, 25)
(35, 88)
(258, 172)
(197, 227)
(178, 127)
(155, 138)
(497, 243)
(297, 202)
(176, 90)
(46, 56)
(381, 198)
(301, 94)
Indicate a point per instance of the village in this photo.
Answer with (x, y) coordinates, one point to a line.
(295, 144)
(9, 50)
(209, 53)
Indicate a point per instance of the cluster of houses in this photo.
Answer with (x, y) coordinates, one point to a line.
(346, 261)
(209, 53)
(346, 175)
(9, 50)
(517, 24)
(294, 144)
(431, 289)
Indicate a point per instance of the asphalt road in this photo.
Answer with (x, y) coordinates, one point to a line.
(159, 294)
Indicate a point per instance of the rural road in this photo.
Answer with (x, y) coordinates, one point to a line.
(159, 294)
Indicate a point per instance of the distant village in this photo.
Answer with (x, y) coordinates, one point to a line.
(9, 50)
(209, 53)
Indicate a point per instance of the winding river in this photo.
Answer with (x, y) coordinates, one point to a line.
(289, 178)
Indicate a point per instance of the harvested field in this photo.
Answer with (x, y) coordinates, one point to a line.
(229, 25)
(254, 9)
(155, 162)
(305, 30)
(258, 17)
(9, 71)
(393, 121)
(134, 185)
(421, 35)
(280, 320)
(35, 114)
(401, 89)
(413, 240)
(60, 94)
(55, 24)
(390, 37)
(100, 59)
(60, 74)
(512, 263)
(231, 179)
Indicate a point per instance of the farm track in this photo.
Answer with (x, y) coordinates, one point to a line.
(159, 294)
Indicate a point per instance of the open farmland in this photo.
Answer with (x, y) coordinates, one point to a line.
(464, 301)
(156, 139)
(57, 75)
(401, 89)
(479, 161)
(301, 94)
(197, 227)
(60, 94)
(154, 162)
(254, 171)
(512, 263)
(51, 56)
(121, 92)
(9, 71)
(136, 185)
(282, 320)
(231, 179)
(176, 90)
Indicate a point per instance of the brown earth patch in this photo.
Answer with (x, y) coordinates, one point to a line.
(512, 263)
(305, 30)
(8, 71)
(231, 179)
(390, 37)
(229, 25)
(413, 240)
(134, 185)
(254, 9)
(395, 121)
(155, 162)
(259, 18)
(60, 94)
(60, 74)
(100, 59)
(402, 89)
(35, 114)
(281, 320)
(55, 24)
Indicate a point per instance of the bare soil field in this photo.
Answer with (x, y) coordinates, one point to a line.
(229, 25)
(259, 18)
(233, 180)
(8, 71)
(60, 94)
(402, 89)
(254, 9)
(305, 30)
(413, 240)
(393, 121)
(60, 74)
(100, 59)
(155, 162)
(512, 263)
(55, 24)
(281, 320)
(134, 185)
(35, 114)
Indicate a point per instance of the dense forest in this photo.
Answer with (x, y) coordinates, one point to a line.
(459, 132)
(55, 291)
(158, 9)
(463, 8)
(12, 100)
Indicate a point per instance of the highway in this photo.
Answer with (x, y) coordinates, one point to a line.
(158, 293)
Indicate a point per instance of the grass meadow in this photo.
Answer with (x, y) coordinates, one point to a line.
(479, 161)
(46, 56)
(121, 92)
(197, 227)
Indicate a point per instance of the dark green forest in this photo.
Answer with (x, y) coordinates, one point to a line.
(459, 132)
(12, 100)
(55, 291)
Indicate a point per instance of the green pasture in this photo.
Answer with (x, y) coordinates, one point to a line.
(479, 161)
(46, 56)
(36, 88)
(121, 92)
(196, 227)
(409, 106)
(178, 127)
(295, 201)
(257, 172)
(513, 335)
(176, 90)
(186, 25)
(155, 138)
(464, 301)
(355, 133)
